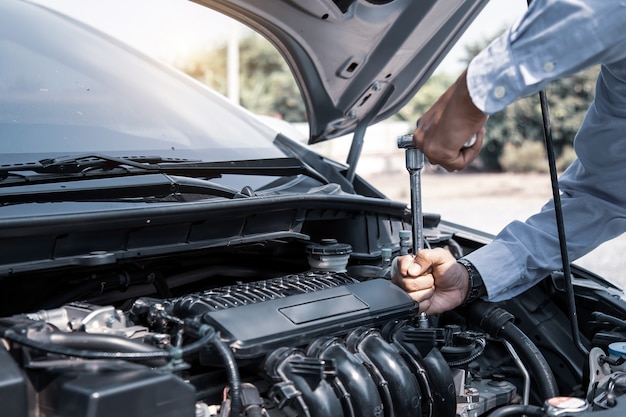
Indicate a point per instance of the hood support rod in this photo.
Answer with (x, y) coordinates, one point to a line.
(359, 134)
(355, 150)
(558, 211)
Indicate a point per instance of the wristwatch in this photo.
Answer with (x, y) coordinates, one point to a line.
(476, 285)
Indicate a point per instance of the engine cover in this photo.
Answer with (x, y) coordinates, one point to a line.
(263, 325)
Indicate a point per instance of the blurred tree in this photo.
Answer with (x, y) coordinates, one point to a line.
(267, 86)
(426, 96)
(568, 100)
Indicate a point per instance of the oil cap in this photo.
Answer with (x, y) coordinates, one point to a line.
(557, 406)
(329, 255)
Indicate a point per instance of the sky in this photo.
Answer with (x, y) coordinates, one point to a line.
(172, 29)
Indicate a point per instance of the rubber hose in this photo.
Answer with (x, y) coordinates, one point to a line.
(518, 410)
(232, 374)
(610, 319)
(55, 343)
(46, 346)
(104, 342)
(533, 358)
(499, 323)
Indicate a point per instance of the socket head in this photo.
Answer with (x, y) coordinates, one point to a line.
(406, 141)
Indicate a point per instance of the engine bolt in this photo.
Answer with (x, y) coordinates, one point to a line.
(472, 397)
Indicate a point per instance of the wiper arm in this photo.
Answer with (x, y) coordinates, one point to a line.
(84, 165)
(77, 164)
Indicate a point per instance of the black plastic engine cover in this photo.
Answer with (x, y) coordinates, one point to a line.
(255, 329)
(113, 388)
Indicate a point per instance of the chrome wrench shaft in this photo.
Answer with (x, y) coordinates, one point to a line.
(414, 159)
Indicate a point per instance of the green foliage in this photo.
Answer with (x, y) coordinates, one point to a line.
(568, 100)
(426, 96)
(266, 83)
(528, 156)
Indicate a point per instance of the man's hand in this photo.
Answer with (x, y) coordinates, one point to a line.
(433, 278)
(443, 130)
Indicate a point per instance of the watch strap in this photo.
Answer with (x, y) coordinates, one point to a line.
(476, 285)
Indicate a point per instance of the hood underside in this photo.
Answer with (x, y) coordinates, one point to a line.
(355, 61)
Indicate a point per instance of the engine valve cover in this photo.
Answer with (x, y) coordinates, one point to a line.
(258, 328)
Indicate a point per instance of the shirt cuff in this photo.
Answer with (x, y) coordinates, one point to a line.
(500, 271)
(492, 77)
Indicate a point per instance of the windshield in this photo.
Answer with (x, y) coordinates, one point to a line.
(67, 89)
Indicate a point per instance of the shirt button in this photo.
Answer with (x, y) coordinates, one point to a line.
(499, 92)
(548, 66)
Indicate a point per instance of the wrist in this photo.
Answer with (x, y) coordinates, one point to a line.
(475, 286)
(474, 113)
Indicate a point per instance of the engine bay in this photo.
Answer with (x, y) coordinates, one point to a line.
(334, 338)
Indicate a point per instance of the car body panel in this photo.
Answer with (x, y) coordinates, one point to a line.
(356, 62)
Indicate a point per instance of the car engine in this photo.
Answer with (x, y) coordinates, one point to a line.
(338, 339)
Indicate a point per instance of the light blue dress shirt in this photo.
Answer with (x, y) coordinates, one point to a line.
(556, 38)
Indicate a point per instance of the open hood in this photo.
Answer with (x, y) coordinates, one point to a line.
(356, 61)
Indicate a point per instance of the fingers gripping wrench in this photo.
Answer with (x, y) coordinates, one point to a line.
(414, 159)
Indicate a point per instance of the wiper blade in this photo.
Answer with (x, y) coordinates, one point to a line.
(77, 164)
(148, 186)
(84, 165)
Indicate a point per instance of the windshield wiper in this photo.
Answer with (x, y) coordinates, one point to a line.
(105, 166)
(157, 186)
(83, 163)
(76, 164)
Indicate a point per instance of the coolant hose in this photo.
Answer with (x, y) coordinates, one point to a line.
(518, 410)
(499, 323)
(533, 358)
(232, 374)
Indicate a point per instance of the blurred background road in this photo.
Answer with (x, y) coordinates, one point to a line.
(485, 201)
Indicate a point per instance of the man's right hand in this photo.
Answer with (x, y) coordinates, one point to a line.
(443, 130)
(433, 278)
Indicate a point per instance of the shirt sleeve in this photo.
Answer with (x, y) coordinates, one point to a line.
(593, 196)
(555, 38)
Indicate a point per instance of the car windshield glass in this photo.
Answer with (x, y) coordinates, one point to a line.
(65, 89)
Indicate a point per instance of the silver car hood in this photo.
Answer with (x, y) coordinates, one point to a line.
(356, 61)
